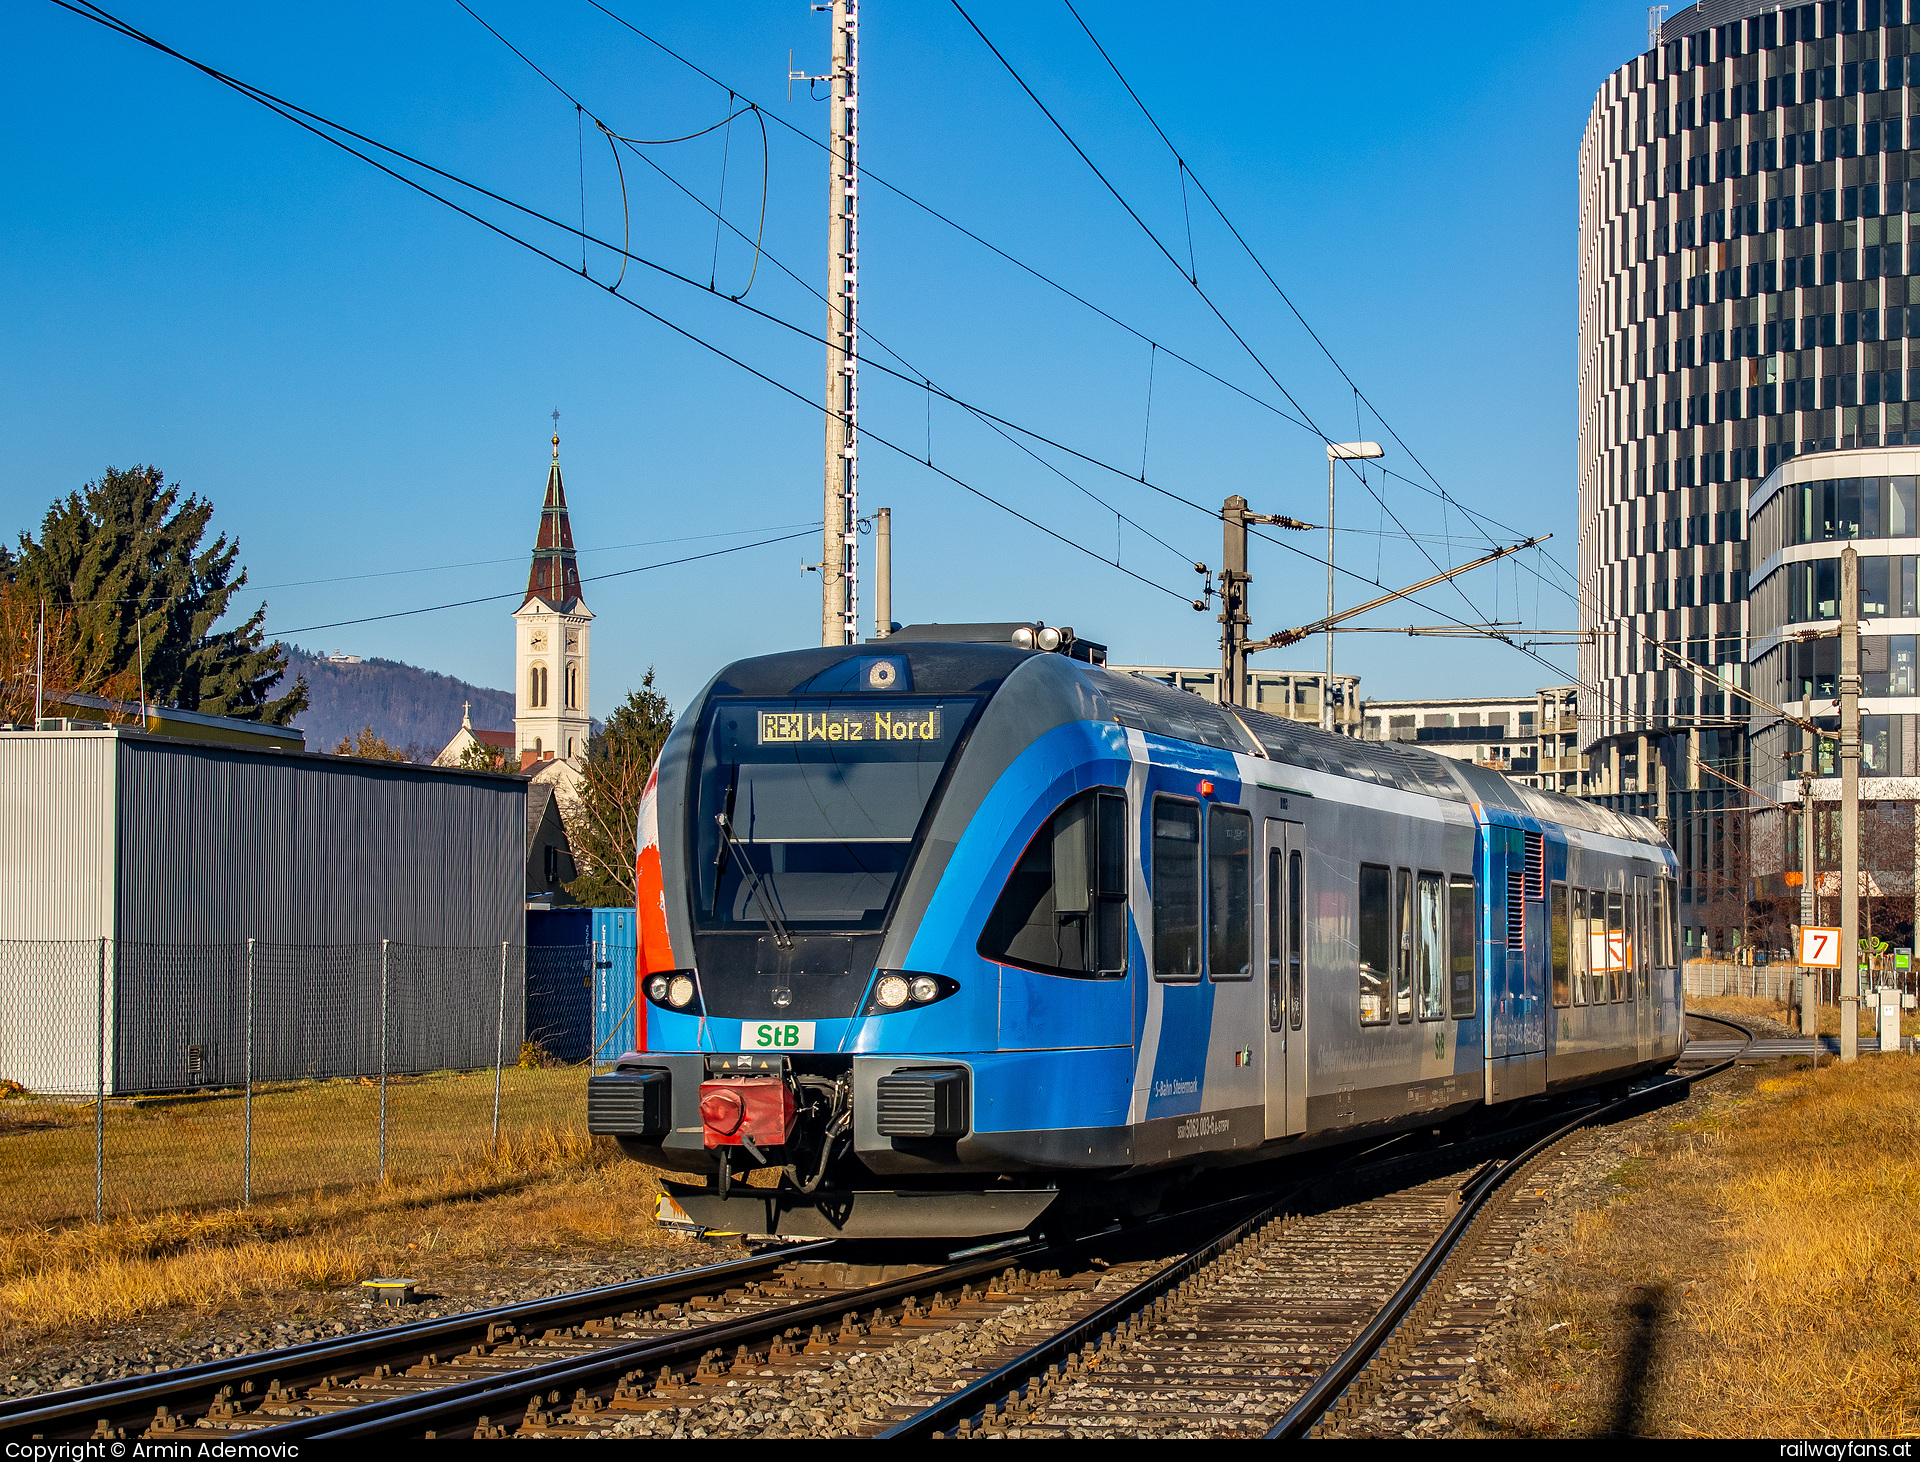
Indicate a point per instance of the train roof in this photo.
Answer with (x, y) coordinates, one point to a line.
(961, 666)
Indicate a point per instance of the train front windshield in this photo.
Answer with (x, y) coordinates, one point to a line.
(807, 809)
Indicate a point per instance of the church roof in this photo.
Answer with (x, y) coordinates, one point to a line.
(555, 576)
(504, 740)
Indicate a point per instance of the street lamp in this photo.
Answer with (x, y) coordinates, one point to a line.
(1337, 452)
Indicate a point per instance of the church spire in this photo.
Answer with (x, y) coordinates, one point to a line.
(555, 575)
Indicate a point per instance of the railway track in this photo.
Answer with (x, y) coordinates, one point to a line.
(1276, 1310)
(1298, 1321)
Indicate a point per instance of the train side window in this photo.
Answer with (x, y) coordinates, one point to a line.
(1376, 943)
(1276, 949)
(1463, 951)
(1430, 946)
(1642, 948)
(1064, 908)
(1403, 945)
(1562, 937)
(1578, 946)
(1176, 889)
(1296, 939)
(1599, 944)
(1657, 930)
(1616, 944)
(1669, 923)
(1229, 893)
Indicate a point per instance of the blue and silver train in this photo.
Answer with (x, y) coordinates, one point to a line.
(946, 936)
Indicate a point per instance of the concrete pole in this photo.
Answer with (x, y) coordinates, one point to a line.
(1849, 804)
(1234, 617)
(883, 573)
(839, 577)
(1809, 754)
(1326, 690)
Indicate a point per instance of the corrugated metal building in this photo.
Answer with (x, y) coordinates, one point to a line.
(176, 853)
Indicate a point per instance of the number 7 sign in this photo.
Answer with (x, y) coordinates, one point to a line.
(1820, 947)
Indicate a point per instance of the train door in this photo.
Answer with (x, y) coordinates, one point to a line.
(1284, 899)
(1639, 972)
(1517, 1005)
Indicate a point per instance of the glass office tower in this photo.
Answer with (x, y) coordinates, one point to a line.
(1744, 301)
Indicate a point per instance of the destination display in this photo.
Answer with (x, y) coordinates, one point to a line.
(785, 728)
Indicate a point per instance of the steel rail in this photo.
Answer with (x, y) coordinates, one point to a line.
(136, 1397)
(969, 1403)
(458, 1406)
(1326, 1389)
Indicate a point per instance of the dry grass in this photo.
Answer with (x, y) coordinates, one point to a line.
(1736, 1006)
(547, 1190)
(189, 1151)
(1761, 1277)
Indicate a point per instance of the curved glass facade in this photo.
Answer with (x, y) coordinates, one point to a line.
(1749, 231)
(1801, 519)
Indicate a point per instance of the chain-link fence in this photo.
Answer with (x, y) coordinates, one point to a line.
(1781, 981)
(136, 1077)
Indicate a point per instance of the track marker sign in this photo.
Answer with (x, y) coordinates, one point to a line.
(1820, 947)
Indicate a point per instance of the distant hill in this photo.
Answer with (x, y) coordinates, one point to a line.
(405, 705)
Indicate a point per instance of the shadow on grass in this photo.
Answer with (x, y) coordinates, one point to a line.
(1643, 1314)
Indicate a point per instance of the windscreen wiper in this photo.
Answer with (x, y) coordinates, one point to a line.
(731, 844)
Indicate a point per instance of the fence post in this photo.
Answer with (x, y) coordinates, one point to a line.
(246, 1175)
(499, 1045)
(100, 1091)
(383, 1060)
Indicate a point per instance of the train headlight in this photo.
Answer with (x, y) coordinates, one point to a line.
(1048, 639)
(906, 990)
(680, 992)
(657, 988)
(1023, 637)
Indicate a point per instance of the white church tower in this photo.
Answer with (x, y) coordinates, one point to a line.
(552, 629)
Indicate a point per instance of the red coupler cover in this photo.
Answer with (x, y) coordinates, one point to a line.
(736, 1107)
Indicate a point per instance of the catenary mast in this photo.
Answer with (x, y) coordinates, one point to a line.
(839, 559)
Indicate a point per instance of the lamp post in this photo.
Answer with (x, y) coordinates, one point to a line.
(1337, 452)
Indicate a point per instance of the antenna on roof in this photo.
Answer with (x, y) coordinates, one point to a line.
(1655, 14)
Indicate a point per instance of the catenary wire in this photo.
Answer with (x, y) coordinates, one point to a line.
(881, 181)
(299, 116)
(759, 252)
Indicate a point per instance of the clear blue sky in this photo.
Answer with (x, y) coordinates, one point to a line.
(360, 380)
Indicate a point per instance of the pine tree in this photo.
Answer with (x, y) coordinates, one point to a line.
(604, 828)
(124, 555)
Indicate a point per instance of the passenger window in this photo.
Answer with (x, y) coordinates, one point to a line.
(1463, 938)
(1376, 943)
(1176, 889)
(1296, 940)
(1229, 893)
(1640, 948)
(1577, 942)
(1561, 937)
(1064, 908)
(1430, 946)
(1276, 951)
(1616, 944)
(1403, 945)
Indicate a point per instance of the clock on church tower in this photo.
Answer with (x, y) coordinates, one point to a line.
(551, 644)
